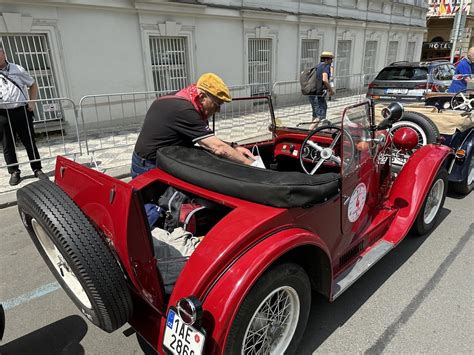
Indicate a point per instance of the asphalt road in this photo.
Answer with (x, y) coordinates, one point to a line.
(417, 299)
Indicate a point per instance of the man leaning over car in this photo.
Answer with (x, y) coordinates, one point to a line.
(182, 119)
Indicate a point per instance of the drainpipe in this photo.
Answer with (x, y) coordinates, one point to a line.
(456, 31)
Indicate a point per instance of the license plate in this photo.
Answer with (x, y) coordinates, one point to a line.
(180, 338)
(396, 91)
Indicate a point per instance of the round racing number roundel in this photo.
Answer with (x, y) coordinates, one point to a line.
(357, 202)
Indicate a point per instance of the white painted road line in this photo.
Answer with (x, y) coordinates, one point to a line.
(27, 297)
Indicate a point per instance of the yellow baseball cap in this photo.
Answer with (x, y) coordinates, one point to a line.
(215, 86)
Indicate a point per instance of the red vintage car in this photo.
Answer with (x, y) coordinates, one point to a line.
(325, 210)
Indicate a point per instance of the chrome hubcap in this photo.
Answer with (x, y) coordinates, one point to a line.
(273, 324)
(433, 201)
(60, 264)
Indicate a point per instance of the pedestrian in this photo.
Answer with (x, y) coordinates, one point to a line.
(463, 73)
(318, 102)
(182, 119)
(16, 117)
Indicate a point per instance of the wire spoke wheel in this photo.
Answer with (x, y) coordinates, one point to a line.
(433, 201)
(273, 315)
(273, 324)
(431, 208)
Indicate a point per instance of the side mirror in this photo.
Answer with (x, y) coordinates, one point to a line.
(391, 114)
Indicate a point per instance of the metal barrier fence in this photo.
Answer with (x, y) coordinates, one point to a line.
(59, 138)
(110, 123)
(113, 121)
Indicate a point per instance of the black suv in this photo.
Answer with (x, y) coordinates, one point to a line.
(409, 81)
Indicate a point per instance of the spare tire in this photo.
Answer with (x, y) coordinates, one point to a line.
(76, 254)
(422, 124)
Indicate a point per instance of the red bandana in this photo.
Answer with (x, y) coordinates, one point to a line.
(191, 94)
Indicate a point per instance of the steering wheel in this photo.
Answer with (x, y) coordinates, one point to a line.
(324, 154)
(461, 101)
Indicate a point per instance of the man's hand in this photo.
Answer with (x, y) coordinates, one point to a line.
(30, 106)
(247, 153)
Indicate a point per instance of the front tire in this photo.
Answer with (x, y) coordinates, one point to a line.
(434, 200)
(273, 316)
(76, 254)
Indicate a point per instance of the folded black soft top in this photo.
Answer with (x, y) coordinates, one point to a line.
(268, 187)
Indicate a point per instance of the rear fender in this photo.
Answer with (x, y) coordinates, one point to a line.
(409, 190)
(223, 301)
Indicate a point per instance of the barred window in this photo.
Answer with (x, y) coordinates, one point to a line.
(369, 59)
(260, 63)
(392, 52)
(309, 53)
(32, 52)
(411, 51)
(170, 63)
(343, 60)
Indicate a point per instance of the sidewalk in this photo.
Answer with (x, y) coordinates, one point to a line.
(111, 152)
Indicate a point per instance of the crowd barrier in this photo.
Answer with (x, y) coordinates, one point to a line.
(59, 136)
(108, 122)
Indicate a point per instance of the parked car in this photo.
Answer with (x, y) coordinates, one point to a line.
(410, 81)
(324, 212)
(449, 119)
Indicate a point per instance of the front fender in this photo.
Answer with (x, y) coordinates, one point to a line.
(409, 190)
(461, 167)
(223, 301)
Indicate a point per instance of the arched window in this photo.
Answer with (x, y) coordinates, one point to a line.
(437, 39)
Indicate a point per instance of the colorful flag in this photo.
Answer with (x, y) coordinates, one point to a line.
(448, 7)
(442, 8)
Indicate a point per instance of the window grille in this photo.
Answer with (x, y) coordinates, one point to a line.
(309, 53)
(369, 59)
(411, 51)
(343, 60)
(260, 65)
(32, 52)
(170, 63)
(392, 52)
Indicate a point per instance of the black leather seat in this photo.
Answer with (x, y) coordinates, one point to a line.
(268, 187)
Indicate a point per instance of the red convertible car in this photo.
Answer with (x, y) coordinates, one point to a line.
(325, 210)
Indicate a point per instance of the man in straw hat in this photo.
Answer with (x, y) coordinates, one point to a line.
(182, 119)
(318, 103)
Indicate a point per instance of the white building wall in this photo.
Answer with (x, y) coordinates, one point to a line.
(103, 46)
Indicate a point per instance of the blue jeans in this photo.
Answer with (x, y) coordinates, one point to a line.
(140, 166)
(319, 106)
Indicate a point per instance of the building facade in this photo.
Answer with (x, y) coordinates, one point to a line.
(80, 47)
(441, 24)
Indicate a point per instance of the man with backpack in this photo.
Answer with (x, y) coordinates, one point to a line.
(323, 88)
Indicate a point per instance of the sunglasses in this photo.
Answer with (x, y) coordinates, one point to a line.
(214, 101)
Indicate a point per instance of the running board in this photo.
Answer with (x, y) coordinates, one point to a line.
(349, 276)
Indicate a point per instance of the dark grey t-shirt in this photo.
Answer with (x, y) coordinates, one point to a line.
(170, 121)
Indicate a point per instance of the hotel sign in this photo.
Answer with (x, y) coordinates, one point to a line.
(437, 45)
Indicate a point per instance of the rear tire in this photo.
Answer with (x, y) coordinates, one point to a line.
(434, 200)
(284, 291)
(76, 254)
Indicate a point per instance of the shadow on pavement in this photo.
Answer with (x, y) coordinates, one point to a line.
(61, 337)
(326, 317)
